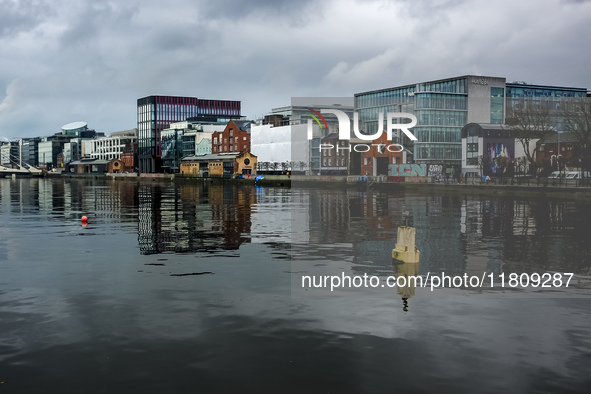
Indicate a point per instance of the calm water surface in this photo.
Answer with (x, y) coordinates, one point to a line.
(187, 288)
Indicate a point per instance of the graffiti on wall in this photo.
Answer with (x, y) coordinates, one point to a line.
(407, 170)
(437, 172)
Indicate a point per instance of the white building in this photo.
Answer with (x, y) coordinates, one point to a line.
(276, 146)
(109, 148)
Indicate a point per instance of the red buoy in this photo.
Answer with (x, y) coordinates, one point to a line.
(84, 219)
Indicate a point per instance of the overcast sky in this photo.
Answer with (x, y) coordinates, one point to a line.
(79, 60)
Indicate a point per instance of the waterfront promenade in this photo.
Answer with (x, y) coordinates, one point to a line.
(502, 186)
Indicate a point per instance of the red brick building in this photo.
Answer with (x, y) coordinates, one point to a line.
(234, 138)
(570, 149)
(376, 160)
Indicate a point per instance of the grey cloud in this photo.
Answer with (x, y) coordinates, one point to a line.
(240, 8)
(91, 60)
(95, 20)
(21, 16)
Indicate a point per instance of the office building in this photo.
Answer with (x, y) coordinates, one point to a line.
(9, 155)
(109, 148)
(192, 137)
(156, 113)
(443, 107)
(30, 151)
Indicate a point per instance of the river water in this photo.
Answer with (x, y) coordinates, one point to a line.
(184, 288)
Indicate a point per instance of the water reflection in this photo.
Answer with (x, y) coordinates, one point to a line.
(193, 217)
(456, 234)
(80, 306)
(407, 284)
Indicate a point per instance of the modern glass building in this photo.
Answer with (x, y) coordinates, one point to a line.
(521, 94)
(155, 113)
(9, 156)
(30, 151)
(49, 148)
(443, 107)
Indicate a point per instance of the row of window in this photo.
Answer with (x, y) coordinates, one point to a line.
(454, 86)
(441, 118)
(328, 162)
(339, 152)
(438, 152)
(215, 140)
(182, 112)
(438, 134)
(441, 101)
(520, 91)
(221, 148)
(384, 98)
(562, 148)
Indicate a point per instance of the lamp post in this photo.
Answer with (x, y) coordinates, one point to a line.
(558, 158)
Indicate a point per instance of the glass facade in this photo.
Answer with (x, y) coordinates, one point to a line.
(521, 96)
(156, 113)
(497, 105)
(441, 108)
(30, 151)
(524, 90)
(441, 111)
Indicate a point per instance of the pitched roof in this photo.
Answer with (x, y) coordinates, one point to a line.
(213, 156)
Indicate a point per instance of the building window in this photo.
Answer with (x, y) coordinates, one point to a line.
(365, 161)
(231, 132)
(496, 105)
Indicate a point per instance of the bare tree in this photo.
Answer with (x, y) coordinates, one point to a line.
(528, 120)
(576, 115)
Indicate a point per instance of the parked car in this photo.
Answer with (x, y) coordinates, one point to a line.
(577, 174)
(556, 175)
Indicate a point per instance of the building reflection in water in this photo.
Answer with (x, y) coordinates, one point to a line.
(456, 234)
(194, 217)
(70, 198)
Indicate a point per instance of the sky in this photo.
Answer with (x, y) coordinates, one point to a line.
(76, 60)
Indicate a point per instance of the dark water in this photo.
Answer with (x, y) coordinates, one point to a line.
(197, 288)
